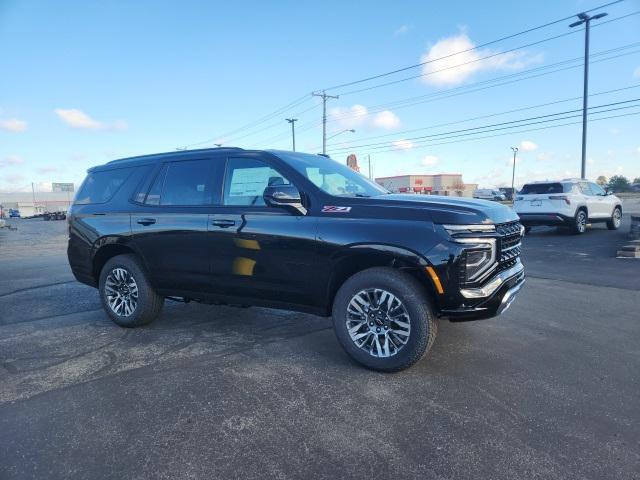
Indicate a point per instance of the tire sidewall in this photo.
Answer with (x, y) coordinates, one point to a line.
(576, 227)
(414, 301)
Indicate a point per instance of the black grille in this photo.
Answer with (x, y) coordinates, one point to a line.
(509, 244)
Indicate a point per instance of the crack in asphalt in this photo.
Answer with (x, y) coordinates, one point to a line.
(26, 289)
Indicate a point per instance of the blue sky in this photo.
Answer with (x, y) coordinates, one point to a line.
(86, 82)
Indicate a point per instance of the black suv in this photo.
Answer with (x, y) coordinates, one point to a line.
(295, 231)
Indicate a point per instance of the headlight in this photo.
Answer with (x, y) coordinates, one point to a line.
(478, 260)
(455, 229)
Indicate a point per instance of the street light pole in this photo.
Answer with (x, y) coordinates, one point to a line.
(292, 121)
(586, 19)
(513, 174)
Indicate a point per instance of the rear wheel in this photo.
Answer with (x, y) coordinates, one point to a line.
(126, 294)
(383, 319)
(580, 222)
(616, 219)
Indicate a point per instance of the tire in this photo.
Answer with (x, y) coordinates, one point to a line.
(616, 219)
(120, 270)
(419, 337)
(580, 220)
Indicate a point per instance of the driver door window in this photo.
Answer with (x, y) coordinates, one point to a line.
(246, 179)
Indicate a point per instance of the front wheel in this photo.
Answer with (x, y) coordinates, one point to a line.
(126, 294)
(616, 219)
(383, 319)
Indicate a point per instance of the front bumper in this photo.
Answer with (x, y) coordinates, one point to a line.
(496, 303)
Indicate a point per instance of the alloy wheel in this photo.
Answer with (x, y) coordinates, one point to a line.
(121, 291)
(581, 221)
(378, 322)
(617, 218)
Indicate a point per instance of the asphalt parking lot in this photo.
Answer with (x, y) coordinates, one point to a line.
(548, 390)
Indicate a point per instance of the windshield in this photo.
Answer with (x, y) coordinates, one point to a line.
(332, 177)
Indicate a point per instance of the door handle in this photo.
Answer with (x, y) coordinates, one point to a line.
(146, 221)
(223, 223)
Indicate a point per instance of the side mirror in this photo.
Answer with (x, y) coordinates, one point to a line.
(286, 196)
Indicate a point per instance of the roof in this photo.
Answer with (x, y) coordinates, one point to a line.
(155, 157)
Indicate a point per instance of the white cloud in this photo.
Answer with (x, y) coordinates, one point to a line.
(451, 60)
(636, 72)
(11, 160)
(402, 145)
(528, 146)
(358, 116)
(13, 125)
(429, 160)
(386, 120)
(349, 117)
(402, 30)
(544, 156)
(78, 119)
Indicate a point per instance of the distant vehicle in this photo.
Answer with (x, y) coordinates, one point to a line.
(3, 223)
(54, 216)
(507, 192)
(297, 231)
(489, 194)
(570, 203)
(14, 213)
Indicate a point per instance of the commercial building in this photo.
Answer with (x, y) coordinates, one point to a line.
(44, 202)
(448, 184)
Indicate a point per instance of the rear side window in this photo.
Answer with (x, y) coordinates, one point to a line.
(541, 188)
(101, 186)
(186, 183)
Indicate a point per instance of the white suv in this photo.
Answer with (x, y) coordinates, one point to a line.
(572, 203)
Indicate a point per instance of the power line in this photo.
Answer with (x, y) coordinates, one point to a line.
(486, 44)
(464, 90)
(500, 126)
(349, 144)
(546, 127)
(544, 40)
(457, 91)
(416, 100)
(263, 119)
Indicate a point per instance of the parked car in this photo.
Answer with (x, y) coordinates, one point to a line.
(507, 192)
(14, 213)
(569, 203)
(489, 194)
(296, 231)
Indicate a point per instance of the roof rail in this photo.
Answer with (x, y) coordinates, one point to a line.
(177, 152)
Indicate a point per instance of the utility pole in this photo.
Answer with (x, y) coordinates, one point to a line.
(586, 19)
(513, 175)
(369, 159)
(324, 97)
(292, 121)
(33, 192)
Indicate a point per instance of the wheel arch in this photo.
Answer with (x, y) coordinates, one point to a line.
(107, 248)
(357, 258)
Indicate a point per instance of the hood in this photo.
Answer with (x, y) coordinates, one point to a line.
(452, 210)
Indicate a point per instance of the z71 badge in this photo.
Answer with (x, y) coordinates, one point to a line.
(334, 209)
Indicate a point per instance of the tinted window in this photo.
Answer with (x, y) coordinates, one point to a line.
(246, 179)
(541, 188)
(187, 183)
(153, 197)
(101, 186)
